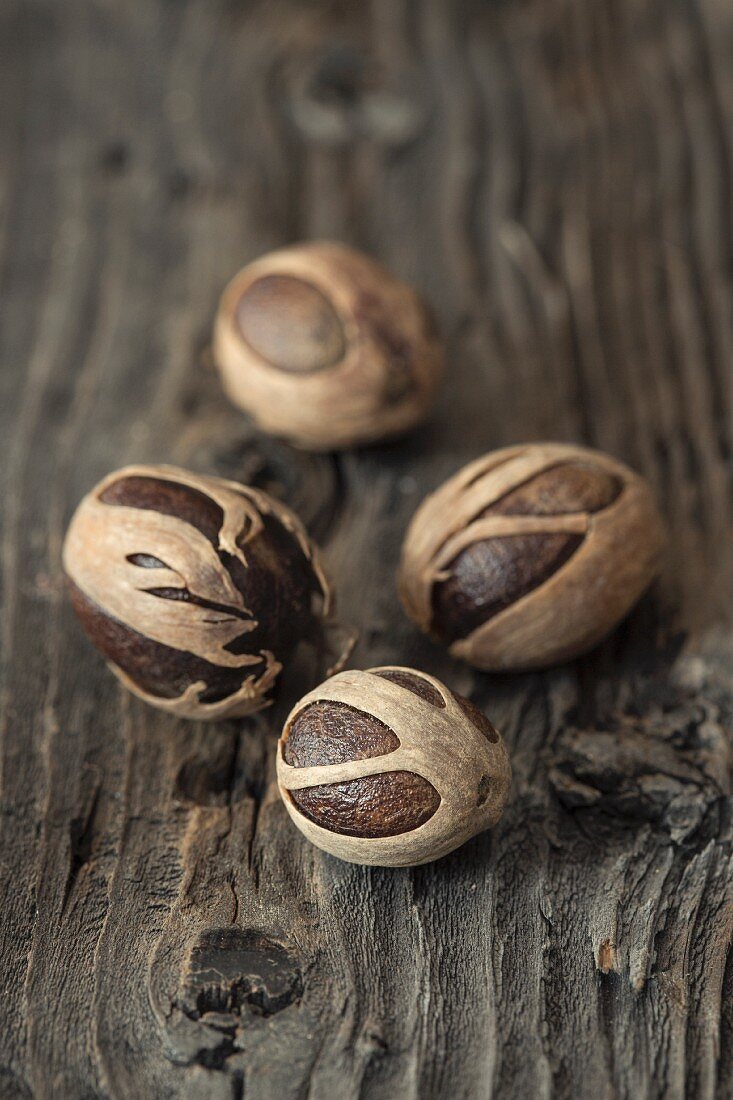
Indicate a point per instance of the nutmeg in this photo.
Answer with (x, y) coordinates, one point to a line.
(530, 555)
(195, 589)
(321, 345)
(389, 767)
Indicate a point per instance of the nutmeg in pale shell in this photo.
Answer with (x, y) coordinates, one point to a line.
(389, 767)
(530, 555)
(195, 589)
(321, 345)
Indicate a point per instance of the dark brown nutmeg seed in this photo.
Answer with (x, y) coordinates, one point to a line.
(493, 574)
(195, 589)
(376, 805)
(389, 767)
(530, 555)
(321, 345)
(290, 323)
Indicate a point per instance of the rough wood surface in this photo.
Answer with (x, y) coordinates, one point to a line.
(556, 178)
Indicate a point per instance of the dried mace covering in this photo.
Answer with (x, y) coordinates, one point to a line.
(389, 767)
(530, 555)
(321, 345)
(195, 589)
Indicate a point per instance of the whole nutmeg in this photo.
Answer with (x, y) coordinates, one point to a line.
(195, 589)
(530, 555)
(321, 345)
(389, 767)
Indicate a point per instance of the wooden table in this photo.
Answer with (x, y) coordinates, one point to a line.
(556, 178)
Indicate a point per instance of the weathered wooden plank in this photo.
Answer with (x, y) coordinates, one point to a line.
(556, 178)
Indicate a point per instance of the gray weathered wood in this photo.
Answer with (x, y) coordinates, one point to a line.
(556, 177)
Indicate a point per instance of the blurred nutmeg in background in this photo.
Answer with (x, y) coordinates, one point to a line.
(323, 346)
(195, 589)
(389, 767)
(530, 555)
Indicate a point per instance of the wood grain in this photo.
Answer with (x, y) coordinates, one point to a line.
(556, 179)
